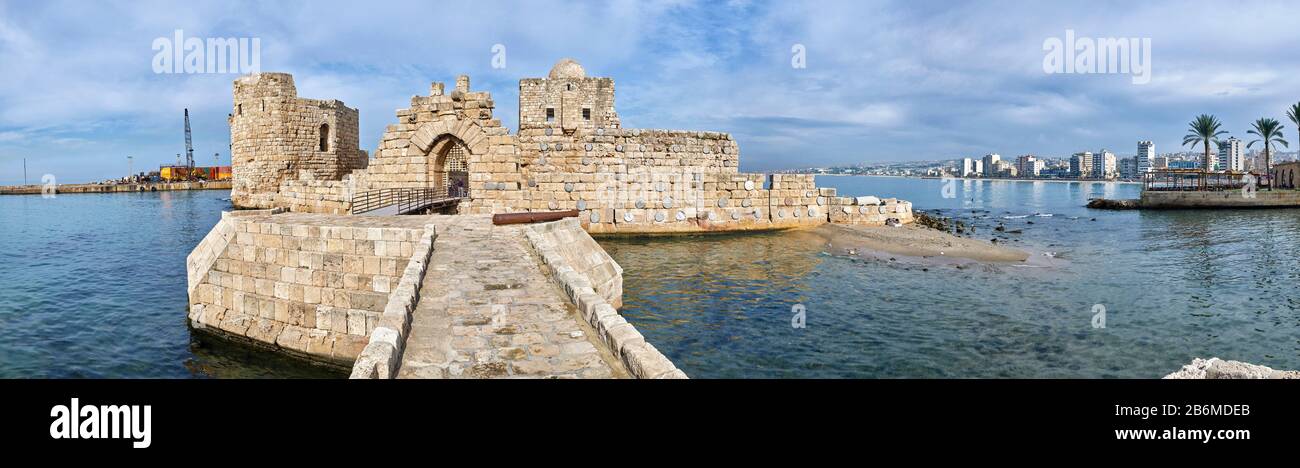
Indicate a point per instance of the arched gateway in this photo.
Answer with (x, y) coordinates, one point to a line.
(449, 166)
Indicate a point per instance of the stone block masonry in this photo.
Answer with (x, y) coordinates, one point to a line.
(589, 277)
(419, 296)
(311, 285)
(489, 309)
(383, 354)
(275, 136)
(571, 152)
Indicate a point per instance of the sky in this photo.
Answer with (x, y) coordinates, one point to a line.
(880, 81)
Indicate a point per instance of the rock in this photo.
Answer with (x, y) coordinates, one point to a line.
(935, 222)
(1215, 368)
(1105, 204)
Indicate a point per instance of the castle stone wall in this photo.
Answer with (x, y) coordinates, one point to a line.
(570, 153)
(275, 136)
(314, 285)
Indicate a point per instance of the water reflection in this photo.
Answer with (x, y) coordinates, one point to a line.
(1176, 285)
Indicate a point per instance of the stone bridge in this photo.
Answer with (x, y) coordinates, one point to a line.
(420, 296)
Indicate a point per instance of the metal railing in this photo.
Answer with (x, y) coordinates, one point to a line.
(406, 199)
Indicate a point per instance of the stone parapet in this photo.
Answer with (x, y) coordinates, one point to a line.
(383, 353)
(589, 277)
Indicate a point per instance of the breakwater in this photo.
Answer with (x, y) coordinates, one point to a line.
(113, 188)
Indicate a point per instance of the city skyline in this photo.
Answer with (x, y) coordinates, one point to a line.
(880, 82)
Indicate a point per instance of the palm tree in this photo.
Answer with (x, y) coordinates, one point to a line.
(1294, 114)
(1269, 131)
(1204, 129)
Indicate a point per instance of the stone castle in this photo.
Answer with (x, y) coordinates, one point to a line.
(571, 152)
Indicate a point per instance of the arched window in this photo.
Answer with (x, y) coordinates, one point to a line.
(324, 137)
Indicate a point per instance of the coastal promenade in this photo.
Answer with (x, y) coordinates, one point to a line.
(488, 310)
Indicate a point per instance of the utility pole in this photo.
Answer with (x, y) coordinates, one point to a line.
(24, 171)
(129, 169)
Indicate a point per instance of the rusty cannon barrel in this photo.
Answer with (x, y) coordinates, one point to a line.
(536, 217)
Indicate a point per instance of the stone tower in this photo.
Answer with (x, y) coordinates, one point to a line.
(567, 101)
(275, 137)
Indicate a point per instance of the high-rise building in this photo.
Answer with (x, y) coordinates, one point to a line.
(990, 163)
(968, 167)
(1028, 165)
(1146, 153)
(1103, 165)
(1128, 168)
(1231, 155)
(1081, 164)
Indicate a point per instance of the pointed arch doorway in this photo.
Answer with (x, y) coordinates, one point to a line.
(450, 167)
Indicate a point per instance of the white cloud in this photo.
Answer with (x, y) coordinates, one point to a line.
(884, 80)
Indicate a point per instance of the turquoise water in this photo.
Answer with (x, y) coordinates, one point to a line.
(1174, 285)
(93, 285)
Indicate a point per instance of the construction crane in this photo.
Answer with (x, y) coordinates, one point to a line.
(189, 146)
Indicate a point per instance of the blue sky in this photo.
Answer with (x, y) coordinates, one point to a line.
(884, 80)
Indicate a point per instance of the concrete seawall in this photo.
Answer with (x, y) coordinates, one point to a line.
(1220, 199)
(1177, 200)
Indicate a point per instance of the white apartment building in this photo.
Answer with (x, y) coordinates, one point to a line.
(969, 167)
(1145, 156)
(1103, 165)
(990, 164)
(1232, 155)
(1081, 164)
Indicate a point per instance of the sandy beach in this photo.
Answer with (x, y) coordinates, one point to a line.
(917, 241)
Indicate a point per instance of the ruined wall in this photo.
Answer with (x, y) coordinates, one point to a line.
(275, 136)
(309, 284)
(411, 152)
(869, 211)
(625, 180)
(570, 153)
